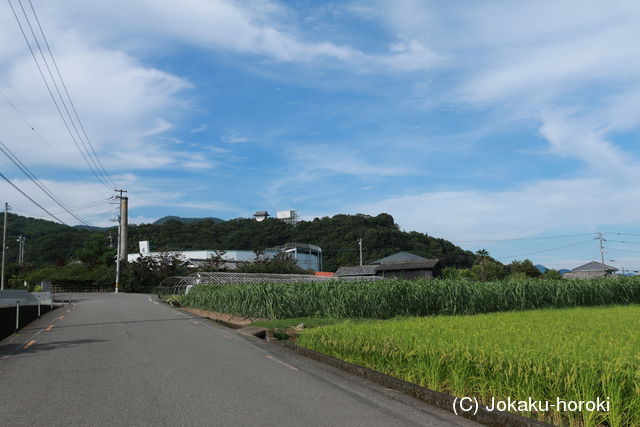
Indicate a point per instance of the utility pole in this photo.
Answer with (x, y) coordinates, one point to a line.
(360, 244)
(123, 218)
(602, 240)
(4, 243)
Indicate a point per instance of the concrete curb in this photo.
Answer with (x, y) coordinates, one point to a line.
(242, 329)
(432, 397)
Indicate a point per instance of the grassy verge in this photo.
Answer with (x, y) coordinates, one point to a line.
(390, 298)
(308, 322)
(571, 354)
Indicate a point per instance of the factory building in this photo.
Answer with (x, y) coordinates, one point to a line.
(307, 257)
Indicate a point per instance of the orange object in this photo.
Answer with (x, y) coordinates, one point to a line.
(324, 273)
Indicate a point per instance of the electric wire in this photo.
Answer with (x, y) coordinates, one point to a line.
(16, 161)
(523, 238)
(53, 98)
(546, 250)
(55, 84)
(64, 86)
(75, 208)
(33, 201)
(33, 128)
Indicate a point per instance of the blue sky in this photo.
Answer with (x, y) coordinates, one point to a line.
(478, 122)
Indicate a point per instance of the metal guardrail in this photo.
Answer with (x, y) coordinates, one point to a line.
(11, 297)
(15, 298)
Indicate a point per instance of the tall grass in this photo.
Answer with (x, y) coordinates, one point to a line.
(572, 354)
(390, 298)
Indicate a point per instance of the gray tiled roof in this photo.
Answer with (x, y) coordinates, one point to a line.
(400, 257)
(593, 266)
(365, 270)
(419, 265)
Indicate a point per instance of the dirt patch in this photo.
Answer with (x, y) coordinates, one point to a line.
(220, 316)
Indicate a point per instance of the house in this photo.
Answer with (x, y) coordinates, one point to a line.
(261, 215)
(401, 265)
(590, 270)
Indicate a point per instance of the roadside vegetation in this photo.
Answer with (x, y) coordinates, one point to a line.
(571, 354)
(390, 298)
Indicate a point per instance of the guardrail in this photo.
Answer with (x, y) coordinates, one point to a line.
(11, 297)
(15, 298)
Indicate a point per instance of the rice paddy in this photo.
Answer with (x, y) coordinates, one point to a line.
(570, 354)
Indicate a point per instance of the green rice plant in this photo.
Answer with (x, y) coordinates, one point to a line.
(571, 354)
(390, 298)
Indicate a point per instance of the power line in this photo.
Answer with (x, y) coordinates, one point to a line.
(7, 152)
(53, 98)
(622, 234)
(34, 130)
(64, 86)
(547, 250)
(75, 208)
(523, 238)
(55, 85)
(32, 201)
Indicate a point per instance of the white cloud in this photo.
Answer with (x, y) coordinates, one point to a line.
(234, 138)
(337, 161)
(571, 204)
(199, 129)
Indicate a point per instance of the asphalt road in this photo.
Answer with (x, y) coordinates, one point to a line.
(126, 359)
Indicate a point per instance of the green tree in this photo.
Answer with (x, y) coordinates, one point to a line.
(525, 267)
(483, 258)
(96, 251)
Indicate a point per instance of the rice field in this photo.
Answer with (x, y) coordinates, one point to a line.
(390, 298)
(571, 354)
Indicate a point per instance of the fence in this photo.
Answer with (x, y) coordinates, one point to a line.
(181, 284)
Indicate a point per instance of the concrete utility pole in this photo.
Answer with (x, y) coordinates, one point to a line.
(602, 240)
(123, 219)
(124, 223)
(4, 243)
(360, 244)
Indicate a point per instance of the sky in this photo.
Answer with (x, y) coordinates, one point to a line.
(508, 126)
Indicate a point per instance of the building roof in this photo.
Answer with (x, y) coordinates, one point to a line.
(427, 264)
(261, 213)
(593, 266)
(364, 270)
(400, 257)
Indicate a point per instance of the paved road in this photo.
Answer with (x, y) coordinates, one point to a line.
(128, 360)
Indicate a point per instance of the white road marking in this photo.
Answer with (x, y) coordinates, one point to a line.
(293, 368)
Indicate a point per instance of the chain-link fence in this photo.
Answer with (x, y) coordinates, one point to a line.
(181, 284)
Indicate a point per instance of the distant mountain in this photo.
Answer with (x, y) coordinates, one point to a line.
(181, 220)
(92, 228)
(541, 268)
(564, 270)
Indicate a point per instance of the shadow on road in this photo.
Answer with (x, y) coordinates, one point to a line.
(39, 347)
(127, 322)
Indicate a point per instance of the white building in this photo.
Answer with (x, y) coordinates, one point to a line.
(308, 257)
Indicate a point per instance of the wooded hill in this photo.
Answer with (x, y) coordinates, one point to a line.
(48, 242)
